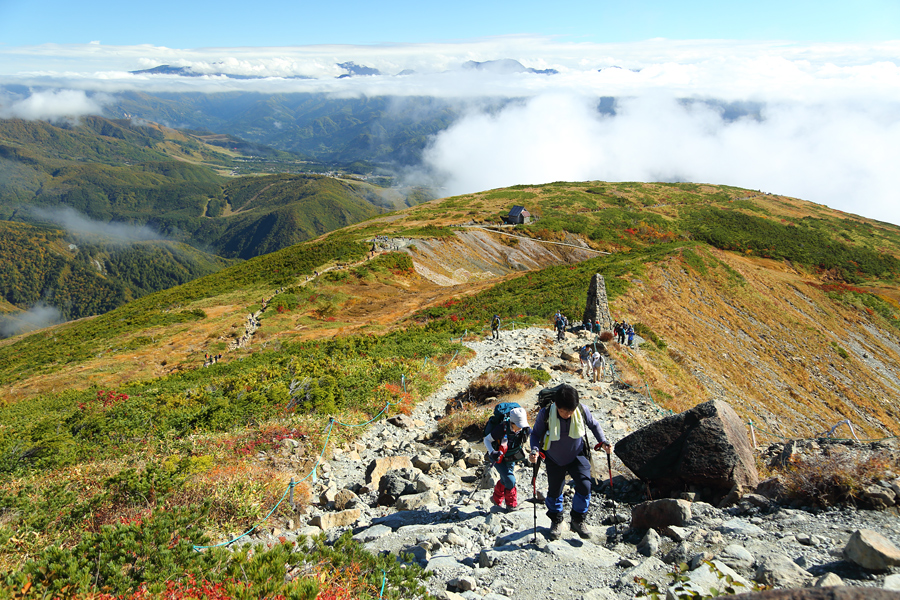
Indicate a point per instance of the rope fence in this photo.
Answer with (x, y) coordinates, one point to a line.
(289, 491)
(829, 435)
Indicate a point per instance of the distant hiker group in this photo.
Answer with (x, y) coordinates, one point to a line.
(560, 323)
(622, 331)
(593, 364)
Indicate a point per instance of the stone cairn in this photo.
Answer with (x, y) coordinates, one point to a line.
(597, 307)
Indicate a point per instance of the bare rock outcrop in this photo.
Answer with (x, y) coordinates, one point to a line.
(706, 446)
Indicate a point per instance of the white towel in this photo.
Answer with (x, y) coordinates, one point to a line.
(576, 427)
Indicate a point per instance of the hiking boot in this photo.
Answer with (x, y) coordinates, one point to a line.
(499, 493)
(556, 530)
(512, 500)
(579, 526)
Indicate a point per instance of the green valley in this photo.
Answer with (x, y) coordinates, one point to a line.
(83, 180)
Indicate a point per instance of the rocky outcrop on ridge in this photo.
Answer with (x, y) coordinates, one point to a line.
(401, 491)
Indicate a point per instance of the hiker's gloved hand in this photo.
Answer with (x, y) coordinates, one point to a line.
(495, 456)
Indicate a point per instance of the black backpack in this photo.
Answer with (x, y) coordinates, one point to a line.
(547, 396)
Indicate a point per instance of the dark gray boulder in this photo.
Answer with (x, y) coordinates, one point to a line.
(394, 484)
(706, 446)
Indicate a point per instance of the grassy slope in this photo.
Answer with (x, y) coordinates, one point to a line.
(764, 334)
(765, 326)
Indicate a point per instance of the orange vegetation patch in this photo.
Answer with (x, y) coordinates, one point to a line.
(767, 346)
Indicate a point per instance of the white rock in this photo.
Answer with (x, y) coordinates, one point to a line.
(829, 580)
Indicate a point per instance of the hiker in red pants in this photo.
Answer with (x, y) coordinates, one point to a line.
(505, 434)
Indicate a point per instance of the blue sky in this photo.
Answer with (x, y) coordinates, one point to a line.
(229, 23)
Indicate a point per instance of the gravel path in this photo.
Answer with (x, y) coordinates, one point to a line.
(478, 551)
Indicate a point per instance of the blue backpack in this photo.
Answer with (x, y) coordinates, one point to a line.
(501, 415)
(514, 452)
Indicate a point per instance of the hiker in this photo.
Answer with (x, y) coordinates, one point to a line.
(495, 327)
(597, 365)
(630, 333)
(505, 442)
(620, 333)
(560, 327)
(560, 432)
(597, 326)
(585, 356)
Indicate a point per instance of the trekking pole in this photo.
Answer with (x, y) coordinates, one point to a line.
(478, 484)
(612, 495)
(534, 500)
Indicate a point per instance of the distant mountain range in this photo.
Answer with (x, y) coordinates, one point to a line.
(382, 130)
(505, 67)
(502, 66)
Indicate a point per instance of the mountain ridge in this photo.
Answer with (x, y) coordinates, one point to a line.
(730, 290)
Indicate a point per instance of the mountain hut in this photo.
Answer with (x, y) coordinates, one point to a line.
(518, 215)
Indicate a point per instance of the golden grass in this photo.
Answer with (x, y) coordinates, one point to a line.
(765, 347)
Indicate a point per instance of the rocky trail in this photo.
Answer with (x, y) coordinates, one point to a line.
(402, 491)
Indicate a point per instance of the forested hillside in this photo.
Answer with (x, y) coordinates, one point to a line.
(44, 264)
(100, 180)
(144, 174)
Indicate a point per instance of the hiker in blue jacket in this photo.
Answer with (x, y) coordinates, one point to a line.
(504, 443)
(560, 432)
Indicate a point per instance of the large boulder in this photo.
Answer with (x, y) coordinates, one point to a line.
(327, 521)
(871, 550)
(660, 513)
(705, 446)
(394, 484)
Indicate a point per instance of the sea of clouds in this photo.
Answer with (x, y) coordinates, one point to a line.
(827, 128)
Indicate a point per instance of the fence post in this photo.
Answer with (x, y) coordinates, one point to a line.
(291, 498)
(752, 434)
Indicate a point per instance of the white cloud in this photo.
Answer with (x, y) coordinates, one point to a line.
(38, 316)
(53, 105)
(96, 231)
(832, 153)
(828, 130)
